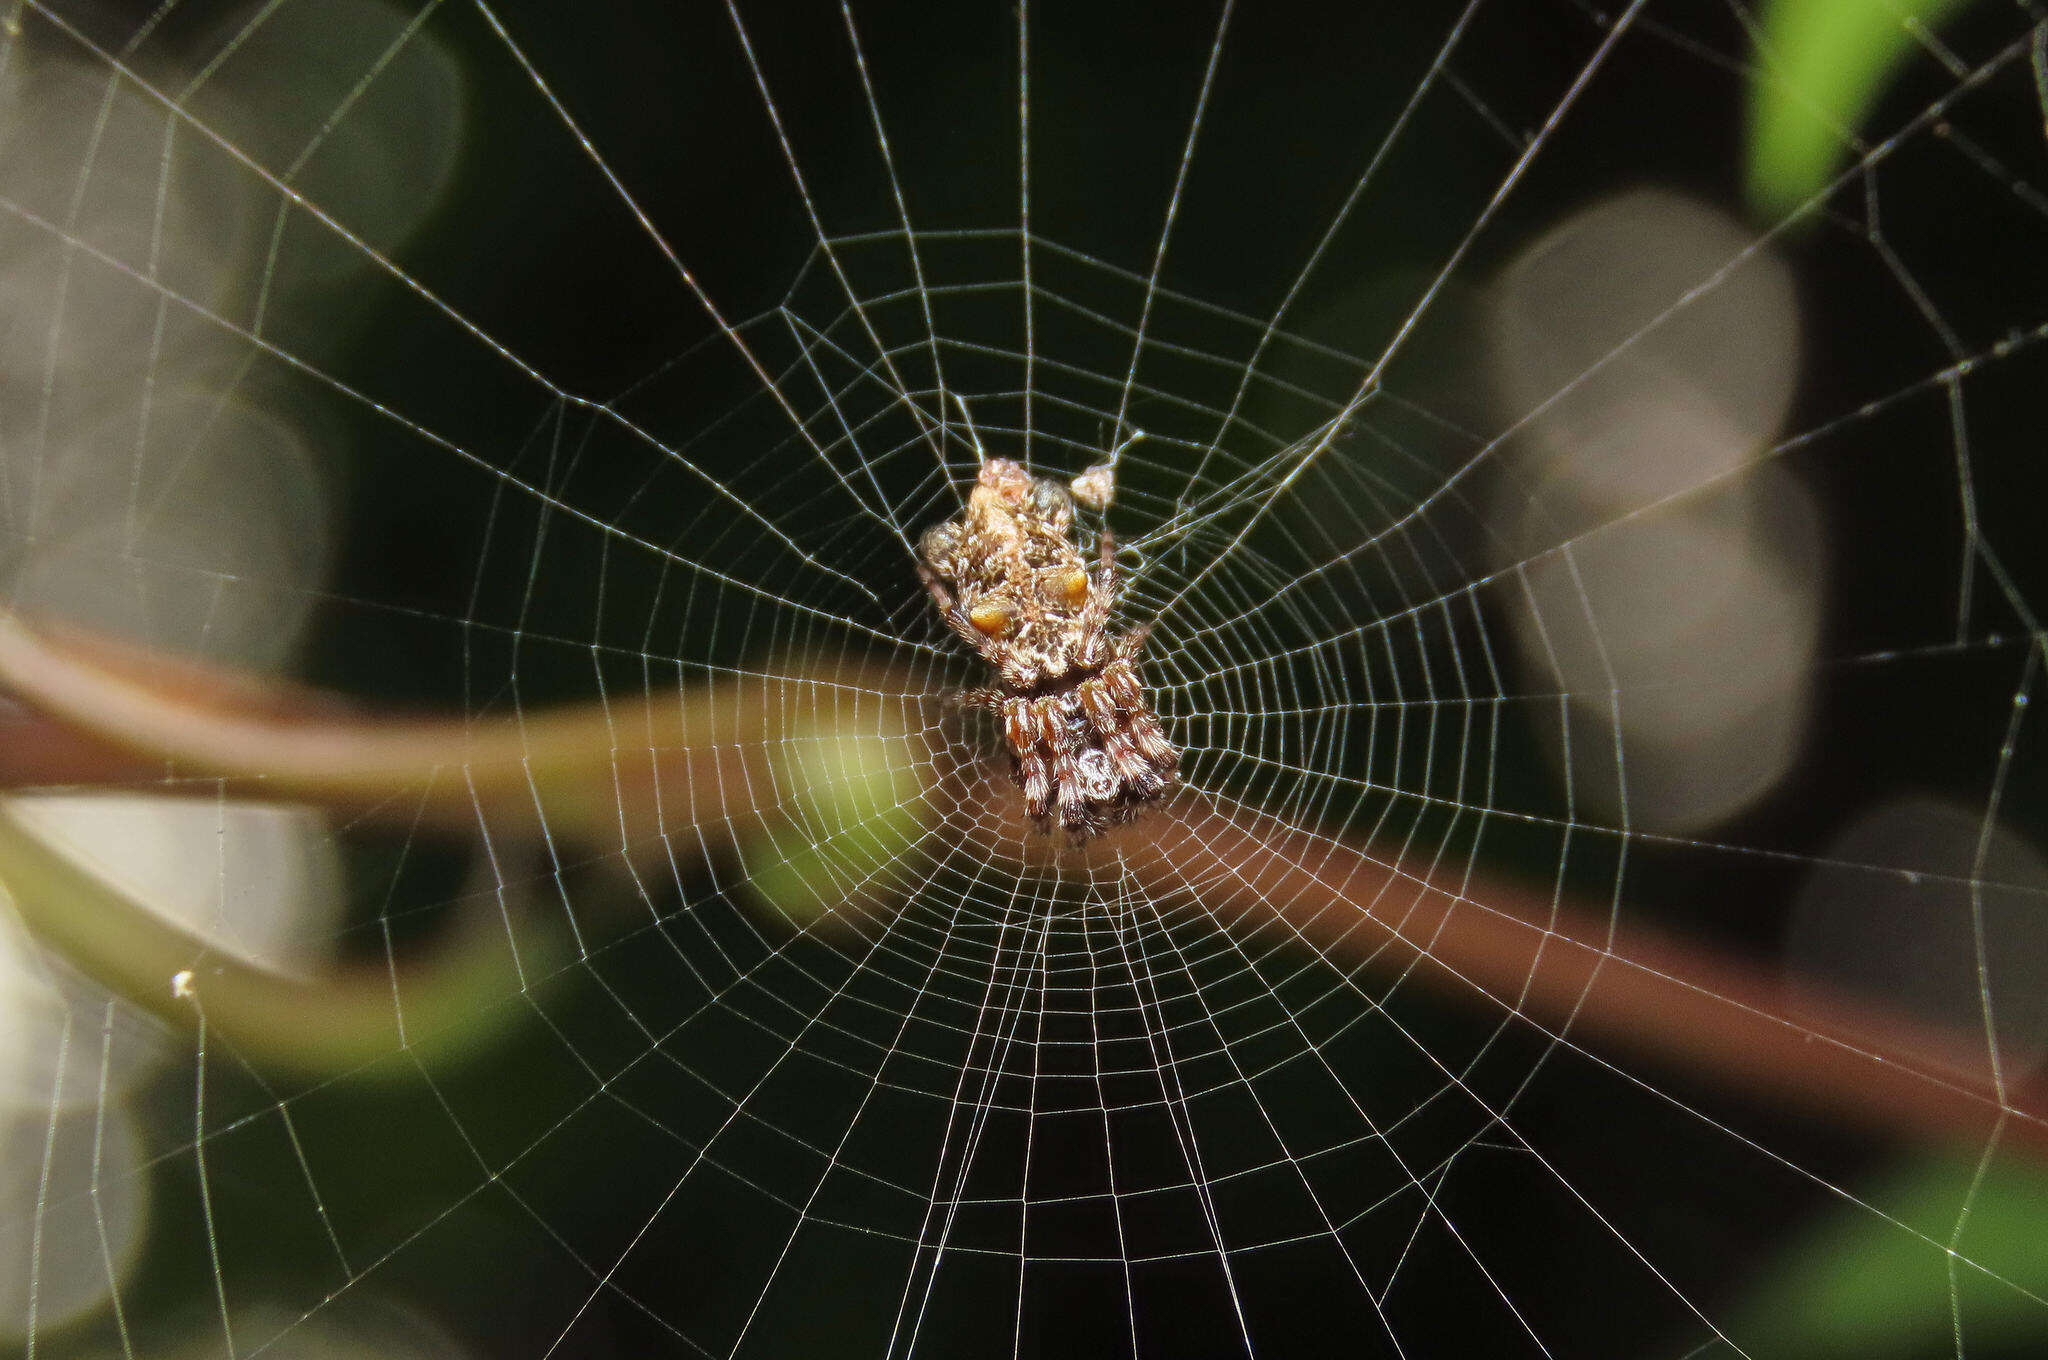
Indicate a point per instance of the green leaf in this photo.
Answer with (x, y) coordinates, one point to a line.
(1822, 64)
(857, 809)
(1869, 1286)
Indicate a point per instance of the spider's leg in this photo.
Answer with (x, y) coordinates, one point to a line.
(1095, 614)
(949, 608)
(1151, 743)
(1099, 706)
(1036, 777)
(1131, 643)
(941, 596)
(1141, 776)
(1075, 814)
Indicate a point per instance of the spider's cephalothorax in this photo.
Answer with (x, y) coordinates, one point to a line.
(1010, 578)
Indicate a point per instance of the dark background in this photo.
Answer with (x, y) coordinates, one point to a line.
(511, 1208)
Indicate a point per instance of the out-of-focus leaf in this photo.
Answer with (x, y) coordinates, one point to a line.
(856, 809)
(1856, 1284)
(815, 777)
(452, 1001)
(1821, 64)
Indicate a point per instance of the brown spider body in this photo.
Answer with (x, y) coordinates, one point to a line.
(1009, 576)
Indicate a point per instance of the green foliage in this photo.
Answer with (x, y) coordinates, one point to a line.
(1957, 1252)
(858, 812)
(1821, 65)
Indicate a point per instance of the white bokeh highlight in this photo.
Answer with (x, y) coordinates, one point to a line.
(156, 490)
(1671, 587)
(74, 1206)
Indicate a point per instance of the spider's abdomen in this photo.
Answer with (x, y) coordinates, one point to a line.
(1088, 756)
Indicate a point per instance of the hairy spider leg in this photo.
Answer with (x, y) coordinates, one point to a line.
(949, 610)
(1095, 614)
(1130, 644)
(941, 596)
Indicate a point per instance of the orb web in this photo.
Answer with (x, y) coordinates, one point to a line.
(1556, 573)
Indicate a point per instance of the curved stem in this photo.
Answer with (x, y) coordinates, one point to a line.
(731, 761)
(1613, 990)
(600, 774)
(729, 764)
(447, 1002)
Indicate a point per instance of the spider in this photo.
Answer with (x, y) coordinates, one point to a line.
(1009, 576)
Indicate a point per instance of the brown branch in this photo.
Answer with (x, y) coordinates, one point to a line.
(605, 776)
(449, 998)
(1630, 990)
(715, 758)
(725, 765)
